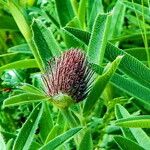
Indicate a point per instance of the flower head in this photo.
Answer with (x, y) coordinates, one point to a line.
(69, 74)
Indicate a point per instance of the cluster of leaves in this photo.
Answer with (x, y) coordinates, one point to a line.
(114, 35)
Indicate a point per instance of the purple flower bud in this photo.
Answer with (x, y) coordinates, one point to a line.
(69, 74)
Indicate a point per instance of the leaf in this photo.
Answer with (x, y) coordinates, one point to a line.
(138, 135)
(9, 144)
(26, 134)
(46, 122)
(86, 140)
(80, 34)
(134, 122)
(24, 98)
(98, 40)
(30, 88)
(10, 57)
(65, 11)
(100, 85)
(140, 9)
(22, 48)
(82, 12)
(126, 144)
(118, 14)
(59, 140)
(44, 41)
(2, 143)
(53, 133)
(22, 20)
(72, 41)
(138, 52)
(6, 25)
(129, 65)
(21, 64)
(94, 7)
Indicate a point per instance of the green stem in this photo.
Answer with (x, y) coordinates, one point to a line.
(71, 120)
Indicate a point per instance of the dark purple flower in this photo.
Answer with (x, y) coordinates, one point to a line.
(68, 74)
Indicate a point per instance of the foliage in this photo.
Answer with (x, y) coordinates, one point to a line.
(114, 35)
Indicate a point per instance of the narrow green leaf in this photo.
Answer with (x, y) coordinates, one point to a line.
(24, 98)
(30, 88)
(137, 21)
(2, 143)
(26, 134)
(44, 41)
(118, 14)
(99, 86)
(129, 65)
(98, 40)
(82, 12)
(72, 41)
(134, 122)
(138, 135)
(134, 89)
(138, 52)
(22, 64)
(127, 144)
(9, 58)
(53, 133)
(65, 11)
(22, 48)
(80, 34)
(94, 7)
(46, 122)
(140, 9)
(9, 144)
(59, 140)
(86, 140)
(22, 20)
(6, 25)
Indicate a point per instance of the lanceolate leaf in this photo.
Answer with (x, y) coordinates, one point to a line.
(46, 122)
(99, 85)
(129, 65)
(87, 140)
(44, 41)
(80, 34)
(24, 98)
(72, 41)
(21, 64)
(138, 8)
(129, 86)
(6, 25)
(22, 48)
(138, 135)
(117, 20)
(26, 134)
(59, 140)
(65, 11)
(22, 20)
(82, 12)
(127, 144)
(134, 122)
(31, 89)
(94, 7)
(98, 40)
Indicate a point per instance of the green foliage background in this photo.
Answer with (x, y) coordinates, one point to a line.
(115, 37)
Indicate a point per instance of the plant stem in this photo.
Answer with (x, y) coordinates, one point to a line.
(71, 120)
